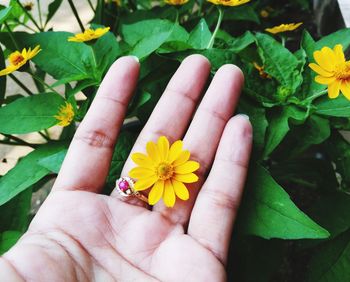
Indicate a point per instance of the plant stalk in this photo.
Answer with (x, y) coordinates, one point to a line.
(11, 35)
(75, 12)
(40, 16)
(91, 6)
(212, 39)
(20, 84)
(29, 16)
(18, 140)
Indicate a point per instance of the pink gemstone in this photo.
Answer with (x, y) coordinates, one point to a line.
(123, 185)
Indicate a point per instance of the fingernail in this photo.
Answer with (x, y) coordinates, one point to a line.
(135, 58)
(244, 116)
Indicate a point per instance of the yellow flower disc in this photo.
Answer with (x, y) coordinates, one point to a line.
(333, 70)
(164, 170)
(283, 28)
(19, 59)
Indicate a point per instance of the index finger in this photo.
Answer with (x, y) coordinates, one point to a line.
(88, 159)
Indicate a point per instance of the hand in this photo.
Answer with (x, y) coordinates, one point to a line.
(79, 235)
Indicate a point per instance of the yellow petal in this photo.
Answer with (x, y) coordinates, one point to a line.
(156, 192)
(152, 151)
(186, 178)
(182, 158)
(180, 190)
(142, 160)
(320, 70)
(163, 148)
(329, 55)
(324, 80)
(339, 54)
(333, 89)
(323, 61)
(145, 183)
(169, 194)
(141, 172)
(187, 167)
(345, 89)
(175, 151)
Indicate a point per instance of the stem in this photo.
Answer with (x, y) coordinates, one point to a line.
(18, 140)
(37, 78)
(44, 136)
(11, 35)
(75, 12)
(40, 17)
(283, 40)
(177, 16)
(20, 84)
(29, 15)
(93, 56)
(91, 6)
(212, 39)
(27, 26)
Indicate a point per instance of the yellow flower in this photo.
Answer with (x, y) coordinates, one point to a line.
(176, 2)
(89, 35)
(264, 13)
(28, 5)
(228, 2)
(164, 169)
(283, 28)
(19, 59)
(333, 70)
(65, 114)
(261, 70)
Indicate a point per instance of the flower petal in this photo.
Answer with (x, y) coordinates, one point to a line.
(186, 178)
(141, 172)
(175, 151)
(339, 54)
(169, 194)
(323, 61)
(163, 148)
(333, 89)
(180, 190)
(345, 89)
(187, 167)
(142, 160)
(145, 183)
(320, 70)
(324, 80)
(152, 151)
(182, 158)
(156, 192)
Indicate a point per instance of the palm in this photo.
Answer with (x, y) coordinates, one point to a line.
(145, 242)
(80, 235)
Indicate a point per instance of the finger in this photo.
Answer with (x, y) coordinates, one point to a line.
(204, 133)
(216, 207)
(88, 159)
(175, 108)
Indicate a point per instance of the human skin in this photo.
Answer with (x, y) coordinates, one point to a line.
(80, 235)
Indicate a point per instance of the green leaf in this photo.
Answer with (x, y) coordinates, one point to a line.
(147, 36)
(2, 78)
(339, 107)
(8, 239)
(200, 35)
(52, 9)
(339, 37)
(331, 262)
(279, 62)
(5, 13)
(26, 172)
(243, 13)
(268, 211)
(279, 126)
(30, 114)
(239, 43)
(65, 61)
(54, 161)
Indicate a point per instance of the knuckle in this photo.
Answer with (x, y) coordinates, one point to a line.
(222, 200)
(96, 138)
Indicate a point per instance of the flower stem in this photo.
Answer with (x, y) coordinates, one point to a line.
(11, 35)
(315, 96)
(93, 56)
(29, 16)
(91, 6)
(75, 12)
(37, 78)
(20, 84)
(18, 141)
(40, 16)
(177, 16)
(45, 136)
(283, 40)
(212, 39)
(25, 25)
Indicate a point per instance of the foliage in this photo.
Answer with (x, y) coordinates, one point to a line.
(295, 212)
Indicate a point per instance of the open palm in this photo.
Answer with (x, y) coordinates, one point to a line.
(80, 235)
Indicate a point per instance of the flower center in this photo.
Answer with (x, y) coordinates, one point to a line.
(164, 171)
(16, 59)
(342, 71)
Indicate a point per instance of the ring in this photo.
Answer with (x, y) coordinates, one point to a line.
(125, 187)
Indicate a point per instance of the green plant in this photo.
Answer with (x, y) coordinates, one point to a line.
(295, 210)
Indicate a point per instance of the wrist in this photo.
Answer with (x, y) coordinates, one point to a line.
(8, 271)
